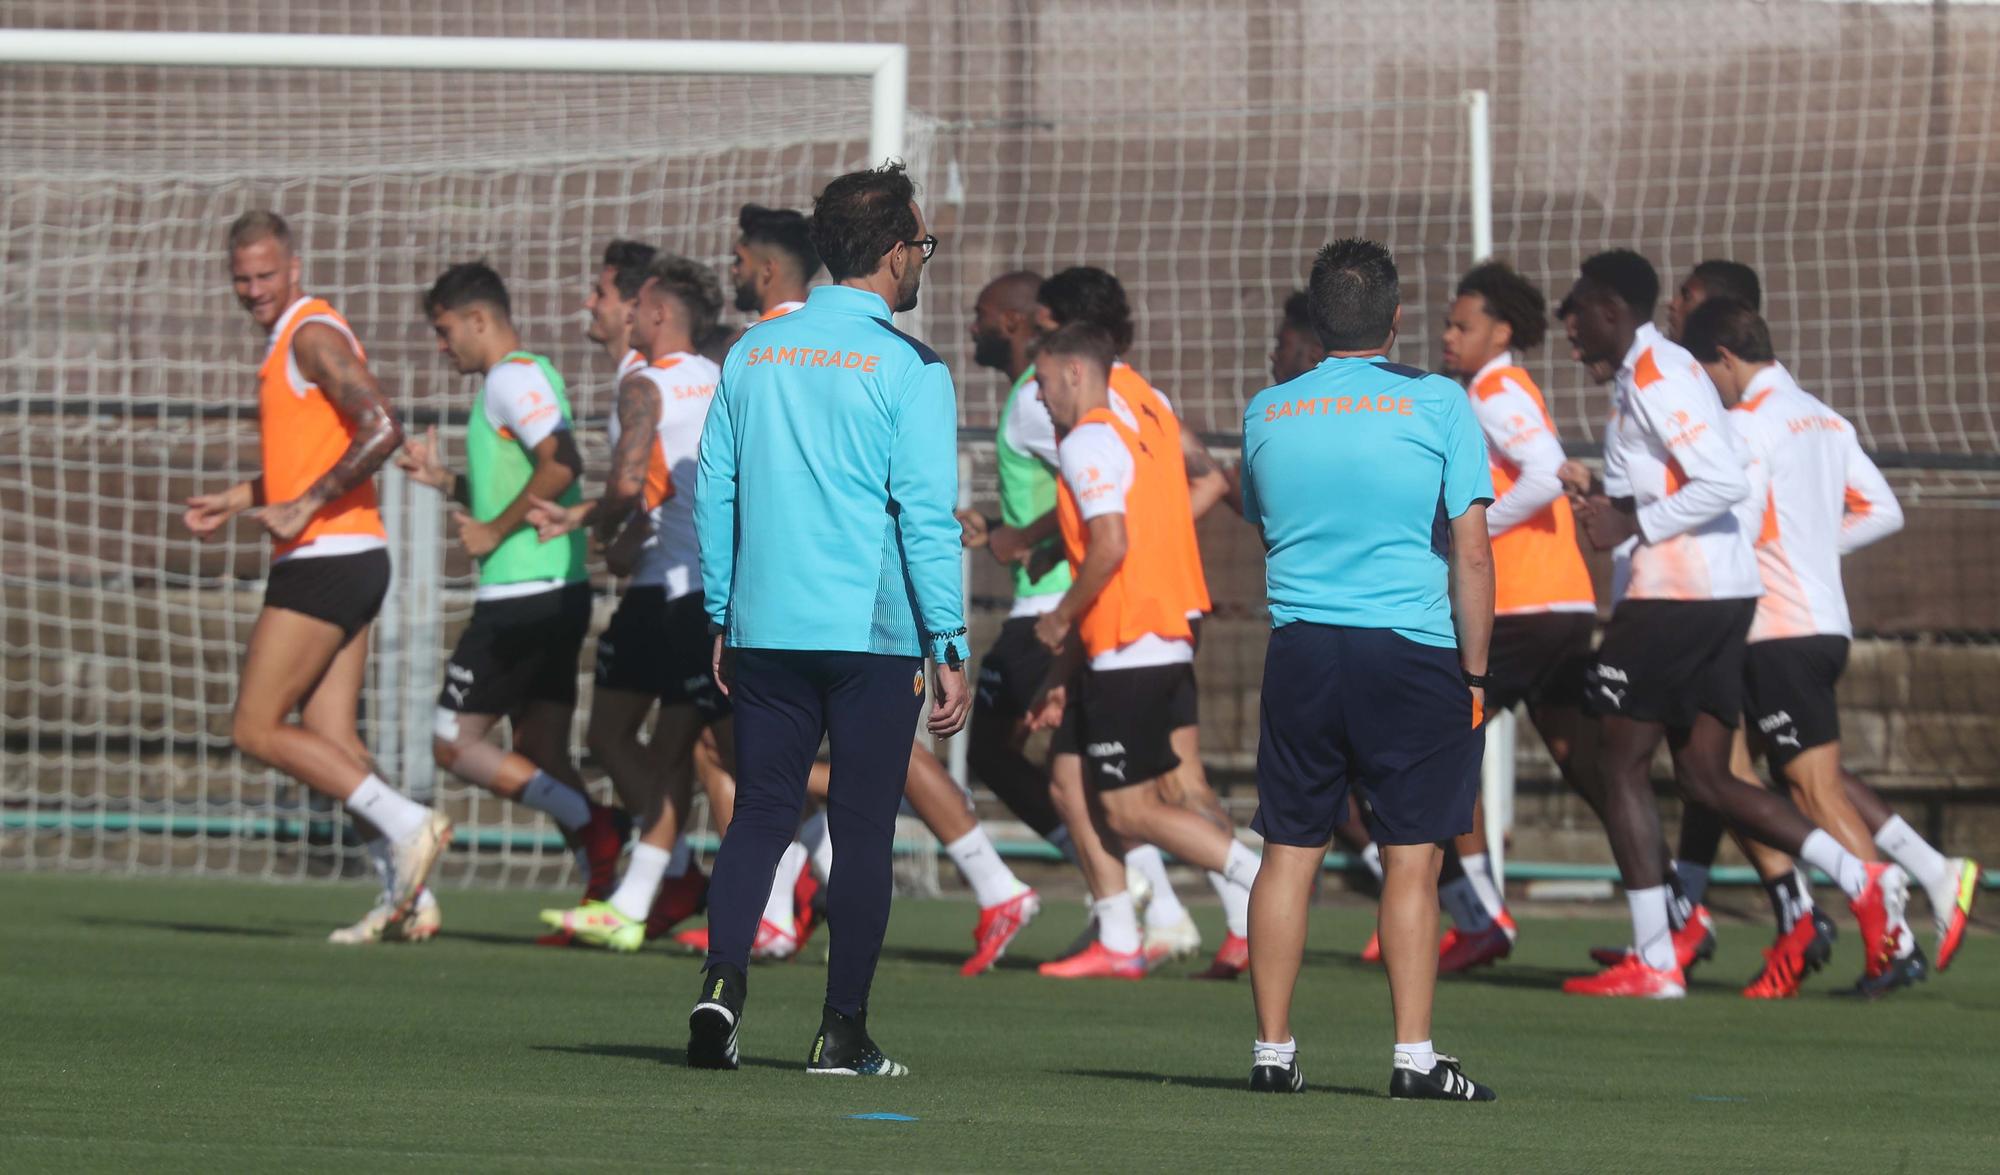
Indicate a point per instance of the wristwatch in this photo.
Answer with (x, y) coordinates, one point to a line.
(1476, 680)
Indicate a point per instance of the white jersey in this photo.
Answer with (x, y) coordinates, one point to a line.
(632, 362)
(671, 558)
(1670, 448)
(1814, 496)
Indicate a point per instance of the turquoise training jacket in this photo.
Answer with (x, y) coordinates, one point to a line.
(827, 480)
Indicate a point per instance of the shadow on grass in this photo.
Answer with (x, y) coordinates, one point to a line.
(225, 929)
(1209, 1081)
(658, 1054)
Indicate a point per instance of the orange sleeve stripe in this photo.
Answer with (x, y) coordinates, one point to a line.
(1857, 503)
(1646, 372)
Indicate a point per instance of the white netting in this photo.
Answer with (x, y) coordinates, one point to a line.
(1199, 148)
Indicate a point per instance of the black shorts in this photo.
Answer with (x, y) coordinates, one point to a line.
(1115, 720)
(661, 648)
(1367, 707)
(1791, 685)
(518, 651)
(1667, 661)
(1539, 659)
(1011, 672)
(346, 591)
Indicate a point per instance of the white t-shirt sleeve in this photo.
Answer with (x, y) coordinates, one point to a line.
(520, 400)
(1515, 428)
(1871, 510)
(1028, 426)
(1098, 469)
(1688, 420)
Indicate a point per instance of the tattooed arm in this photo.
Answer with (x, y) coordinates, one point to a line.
(639, 411)
(327, 359)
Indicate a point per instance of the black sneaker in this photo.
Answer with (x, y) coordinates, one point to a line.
(1907, 971)
(1444, 1083)
(1270, 1074)
(843, 1049)
(712, 1024)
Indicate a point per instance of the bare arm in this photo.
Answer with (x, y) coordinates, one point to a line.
(328, 359)
(1207, 484)
(638, 426)
(1472, 591)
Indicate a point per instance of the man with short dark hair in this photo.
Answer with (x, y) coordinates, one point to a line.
(1670, 664)
(1122, 639)
(773, 260)
(1815, 496)
(1380, 618)
(830, 564)
(517, 657)
(1090, 295)
(1714, 278)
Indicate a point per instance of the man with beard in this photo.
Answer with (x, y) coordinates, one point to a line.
(830, 567)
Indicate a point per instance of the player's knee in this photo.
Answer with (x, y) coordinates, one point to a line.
(252, 733)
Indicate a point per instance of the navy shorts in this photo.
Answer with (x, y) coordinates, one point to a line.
(1368, 707)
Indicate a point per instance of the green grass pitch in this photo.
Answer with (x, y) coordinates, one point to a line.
(183, 1025)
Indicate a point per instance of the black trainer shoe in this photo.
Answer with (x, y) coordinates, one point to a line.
(1270, 1074)
(1911, 969)
(843, 1049)
(712, 1024)
(1444, 1083)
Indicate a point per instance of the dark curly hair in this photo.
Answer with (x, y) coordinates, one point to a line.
(1512, 299)
(860, 216)
(1085, 293)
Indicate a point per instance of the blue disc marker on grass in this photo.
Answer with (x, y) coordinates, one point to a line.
(883, 1117)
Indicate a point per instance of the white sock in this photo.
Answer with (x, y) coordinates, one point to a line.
(1287, 1052)
(1235, 904)
(1694, 879)
(1242, 865)
(778, 907)
(1163, 906)
(397, 815)
(1420, 1056)
(560, 802)
(1461, 900)
(426, 900)
(1806, 906)
(641, 883)
(1652, 934)
(819, 845)
(681, 858)
(991, 880)
(384, 864)
(1479, 871)
(1902, 845)
(1824, 853)
(1117, 922)
(1371, 856)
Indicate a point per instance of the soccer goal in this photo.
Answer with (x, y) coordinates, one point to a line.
(129, 370)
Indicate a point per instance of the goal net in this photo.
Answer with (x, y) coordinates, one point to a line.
(129, 383)
(1200, 149)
